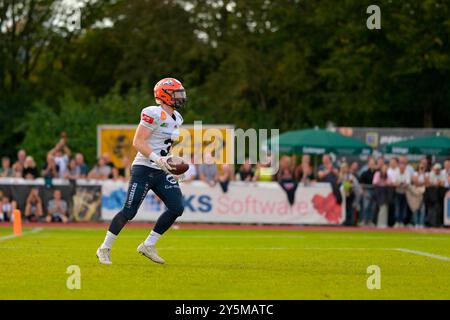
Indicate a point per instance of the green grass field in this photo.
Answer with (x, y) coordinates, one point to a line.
(226, 264)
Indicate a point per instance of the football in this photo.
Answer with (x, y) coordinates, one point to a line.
(178, 164)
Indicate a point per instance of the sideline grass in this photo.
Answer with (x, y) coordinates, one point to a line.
(226, 264)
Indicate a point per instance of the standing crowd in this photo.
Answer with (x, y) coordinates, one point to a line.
(381, 193)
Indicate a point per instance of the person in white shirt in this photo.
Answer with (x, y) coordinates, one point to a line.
(437, 177)
(401, 180)
(393, 169)
(447, 173)
(61, 154)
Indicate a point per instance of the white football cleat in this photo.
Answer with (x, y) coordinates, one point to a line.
(104, 255)
(150, 252)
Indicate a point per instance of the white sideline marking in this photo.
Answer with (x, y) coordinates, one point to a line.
(425, 254)
(12, 236)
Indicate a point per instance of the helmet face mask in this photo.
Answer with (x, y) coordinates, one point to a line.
(170, 91)
(179, 98)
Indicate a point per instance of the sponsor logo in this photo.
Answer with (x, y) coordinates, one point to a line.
(171, 179)
(131, 194)
(147, 118)
(164, 125)
(194, 203)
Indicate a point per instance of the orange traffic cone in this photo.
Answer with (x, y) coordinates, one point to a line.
(17, 223)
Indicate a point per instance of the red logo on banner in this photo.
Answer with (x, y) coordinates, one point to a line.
(328, 207)
(147, 118)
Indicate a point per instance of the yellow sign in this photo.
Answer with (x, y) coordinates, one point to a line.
(196, 140)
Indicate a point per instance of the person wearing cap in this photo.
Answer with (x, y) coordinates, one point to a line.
(435, 183)
(436, 177)
(447, 173)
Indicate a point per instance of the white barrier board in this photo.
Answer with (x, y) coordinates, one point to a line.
(263, 202)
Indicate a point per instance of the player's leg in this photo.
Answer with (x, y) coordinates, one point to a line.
(169, 192)
(137, 190)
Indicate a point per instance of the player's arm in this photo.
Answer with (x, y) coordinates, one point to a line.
(139, 141)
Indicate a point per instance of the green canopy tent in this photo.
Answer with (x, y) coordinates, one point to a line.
(318, 141)
(429, 145)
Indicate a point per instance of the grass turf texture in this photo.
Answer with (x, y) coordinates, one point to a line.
(226, 264)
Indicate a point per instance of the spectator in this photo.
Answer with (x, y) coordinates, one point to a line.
(7, 209)
(107, 160)
(437, 177)
(447, 173)
(50, 170)
(328, 173)
(434, 197)
(393, 169)
(30, 171)
(115, 175)
(409, 167)
(304, 172)
(415, 196)
(225, 176)
(82, 168)
(352, 192)
(401, 180)
(285, 178)
(264, 170)
(33, 206)
(73, 171)
(57, 209)
(61, 154)
(101, 171)
(354, 169)
(381, 183)
(18, 170)
(6, 171)
(368, 196)
(19, 164)
(380, 163)
(125, 171)
(208, 171)
(246, 171)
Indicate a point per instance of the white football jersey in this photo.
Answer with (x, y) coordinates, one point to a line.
(165, 130)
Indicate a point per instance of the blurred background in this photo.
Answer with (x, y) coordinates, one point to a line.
(286, 64)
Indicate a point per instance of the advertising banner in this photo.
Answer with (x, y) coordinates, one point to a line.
(243, 203)
(117, 141)
(84, 201)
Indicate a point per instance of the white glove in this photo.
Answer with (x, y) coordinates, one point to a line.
(161, 162)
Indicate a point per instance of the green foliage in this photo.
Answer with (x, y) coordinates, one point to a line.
(284, 64)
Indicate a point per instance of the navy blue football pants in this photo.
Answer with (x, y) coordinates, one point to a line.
(165, 186)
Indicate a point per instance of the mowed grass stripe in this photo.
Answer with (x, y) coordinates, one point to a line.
(223, 264)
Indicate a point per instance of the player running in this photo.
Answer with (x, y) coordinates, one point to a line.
(158, 128)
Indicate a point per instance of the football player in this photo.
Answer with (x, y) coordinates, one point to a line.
(158, 128)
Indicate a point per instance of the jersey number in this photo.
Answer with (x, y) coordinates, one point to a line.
(169, 145)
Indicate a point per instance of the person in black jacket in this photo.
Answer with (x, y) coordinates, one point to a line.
(368, 207)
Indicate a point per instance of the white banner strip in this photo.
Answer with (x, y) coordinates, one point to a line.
(263, 202)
